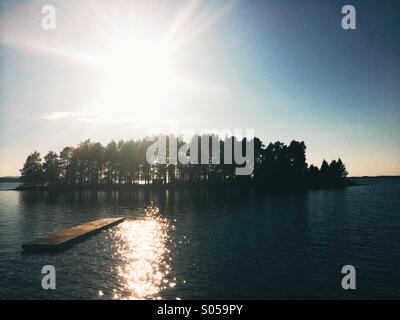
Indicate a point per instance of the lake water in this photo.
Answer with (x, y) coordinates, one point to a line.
(207, 246)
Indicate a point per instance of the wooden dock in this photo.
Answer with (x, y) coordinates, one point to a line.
(62, 239)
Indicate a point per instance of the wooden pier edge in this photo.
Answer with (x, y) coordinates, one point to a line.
(63, 239)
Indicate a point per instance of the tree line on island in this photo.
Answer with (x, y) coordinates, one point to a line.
(277, 166)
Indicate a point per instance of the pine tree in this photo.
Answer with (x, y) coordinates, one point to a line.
(32, 171)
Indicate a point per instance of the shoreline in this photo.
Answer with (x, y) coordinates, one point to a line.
(199, 187)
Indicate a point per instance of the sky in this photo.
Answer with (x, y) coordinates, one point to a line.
(125, 69)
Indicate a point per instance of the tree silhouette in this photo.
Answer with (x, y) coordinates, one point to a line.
(32, 171)
(276, 166)
(51, 168)
(65, 162)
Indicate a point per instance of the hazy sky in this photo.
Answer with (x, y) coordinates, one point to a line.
(121, 69)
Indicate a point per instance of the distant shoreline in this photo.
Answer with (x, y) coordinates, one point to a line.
(9, 179)
(373, 177)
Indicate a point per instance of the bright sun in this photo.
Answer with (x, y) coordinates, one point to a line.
(137, 75)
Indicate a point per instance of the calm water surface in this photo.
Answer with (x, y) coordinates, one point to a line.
(206, 246)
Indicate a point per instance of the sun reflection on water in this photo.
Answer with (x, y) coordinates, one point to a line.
(142, 252)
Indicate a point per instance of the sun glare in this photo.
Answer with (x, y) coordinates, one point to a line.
(142, 255)
(124, 57)
(136, 75)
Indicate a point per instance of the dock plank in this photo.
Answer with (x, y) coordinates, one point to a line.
(61, 239)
